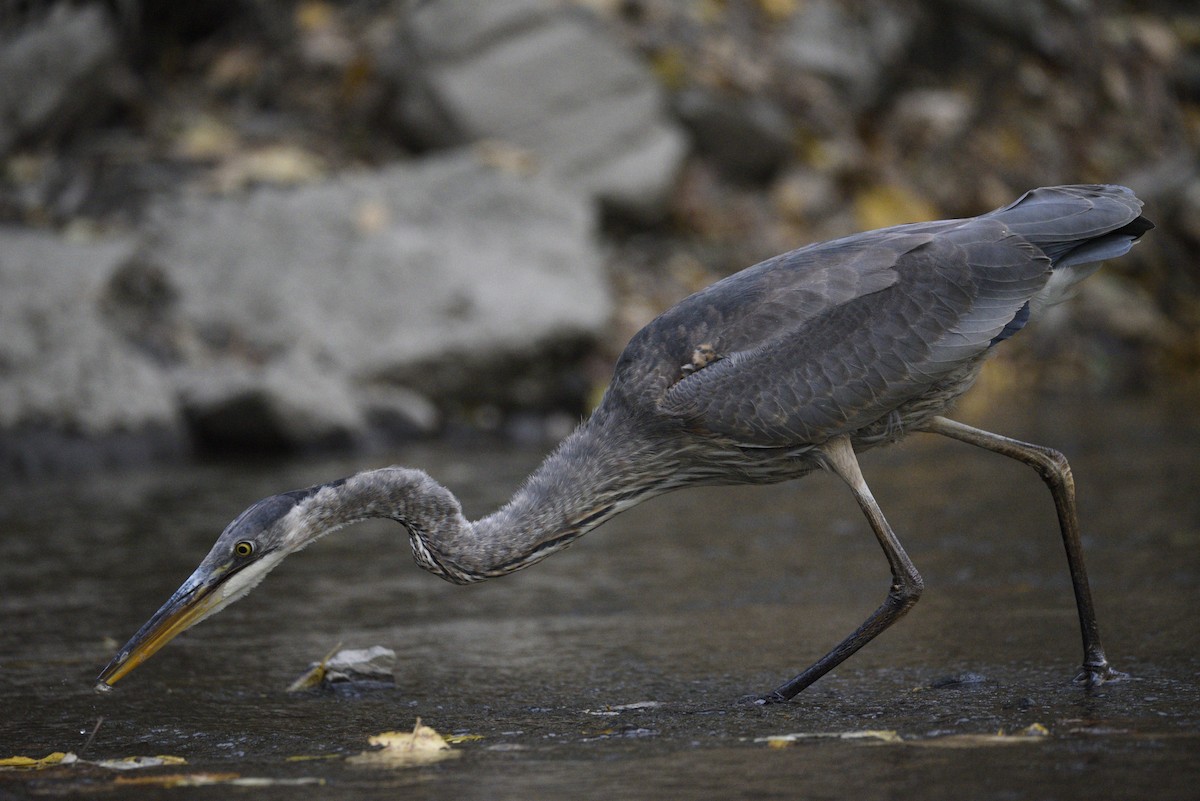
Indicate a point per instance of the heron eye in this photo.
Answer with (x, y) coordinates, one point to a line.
(244, 548)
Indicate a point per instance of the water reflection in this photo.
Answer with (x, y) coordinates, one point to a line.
(692, 601)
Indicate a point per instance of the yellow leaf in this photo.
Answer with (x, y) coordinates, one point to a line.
(463, 738)
(975, 740)
(170, 780)
(401, 749)
(177, 779)
(33, 763)
(784, 740)
(311, 757)
(315, 675)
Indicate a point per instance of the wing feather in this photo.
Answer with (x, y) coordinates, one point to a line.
(937, 305)
(837, 336)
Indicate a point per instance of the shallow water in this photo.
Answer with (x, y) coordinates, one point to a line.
(689, 602)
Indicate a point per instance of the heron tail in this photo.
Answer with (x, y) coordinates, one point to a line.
(1077, 227)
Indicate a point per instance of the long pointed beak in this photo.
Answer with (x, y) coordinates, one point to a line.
(190, 604)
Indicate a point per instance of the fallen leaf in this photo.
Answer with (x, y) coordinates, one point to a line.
(138, 762)
(315, 674)
(398, 749)
(33, 763)
(170, 780)
(311, 757)
(462, 738)
(176, 779)
(1030, 734)
(784, 740)
(374, 664)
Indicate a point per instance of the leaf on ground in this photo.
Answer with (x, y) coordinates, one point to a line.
(315, 674)
(784, 740)
(170, 780)
(374, 664)
(59, 758)
(175, 780)
(399, 749)
(311, 757)
(138, 762)
(35, 763)
(1030, 734)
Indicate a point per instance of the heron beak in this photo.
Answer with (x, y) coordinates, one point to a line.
(191, 603)
(207, 591)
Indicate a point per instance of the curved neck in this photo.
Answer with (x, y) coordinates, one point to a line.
(589, 478)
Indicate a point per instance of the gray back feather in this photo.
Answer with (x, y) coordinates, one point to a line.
(835, 337)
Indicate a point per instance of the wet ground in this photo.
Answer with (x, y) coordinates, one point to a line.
(614, 669)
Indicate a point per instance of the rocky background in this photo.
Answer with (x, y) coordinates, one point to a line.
(242, 225)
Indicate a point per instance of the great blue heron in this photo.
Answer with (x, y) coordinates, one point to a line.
(792, 365)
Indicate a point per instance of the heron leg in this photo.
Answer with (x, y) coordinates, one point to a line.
(1052, 466)
(906, 581)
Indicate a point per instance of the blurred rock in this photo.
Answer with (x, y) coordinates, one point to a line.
(304, 318)
(292, 403)
(929, 118)
(805, 195)
(53, 72)
(398, 412)
(65, 375)
(747, 138)
(1033, 23)
(854, 49)
(1115, 305)
(300, 309)
(544, 78)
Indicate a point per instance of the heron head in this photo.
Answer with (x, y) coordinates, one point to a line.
(245, 552)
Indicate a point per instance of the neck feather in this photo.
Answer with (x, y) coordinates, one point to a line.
(587, 480)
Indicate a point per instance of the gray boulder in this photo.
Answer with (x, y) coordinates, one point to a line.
(66, 377)
(299, 318)
(54, 71)
(536, 75)
(307, 316)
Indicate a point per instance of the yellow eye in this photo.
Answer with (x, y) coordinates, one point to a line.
(244, 548)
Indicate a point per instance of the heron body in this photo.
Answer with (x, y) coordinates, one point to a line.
(796, 364)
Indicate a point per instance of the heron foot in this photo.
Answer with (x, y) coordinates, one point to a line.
(1095, 675)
